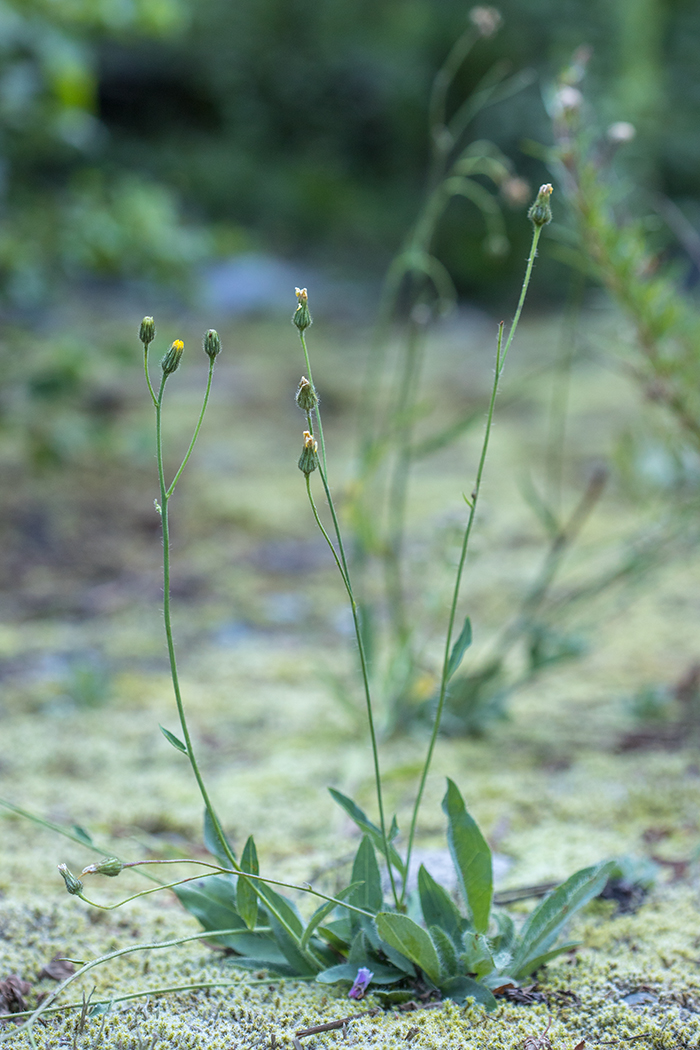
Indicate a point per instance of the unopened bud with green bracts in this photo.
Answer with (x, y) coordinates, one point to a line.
(73, 885)
(172, 358)
(212, 344)
(110, 866)
(147, 331)
(306, 396)
(308, 460)
(302, 317)
(540, 213)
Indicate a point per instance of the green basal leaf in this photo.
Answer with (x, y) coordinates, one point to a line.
(459, 649)
(459, 989)
(541, 960)
(331, 938)
(411, 940)
(471, 856)
(341, 928)
(289, 939)
(172, 739)
(547, 920)
(365, 870)
(320, 914)
(476, 957)
(503, 941)
(281, 968)
(348, 972)
(246, 891)
(212, 901)
(436, 904)
(365, 824)
(445, 949)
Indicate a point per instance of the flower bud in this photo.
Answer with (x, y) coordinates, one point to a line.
(109, 866)
(171, 360)
(306, 396)
(308, 460)
(302, 317)
(212, 344)
(147, 331)
(73, 885)
(540, 213)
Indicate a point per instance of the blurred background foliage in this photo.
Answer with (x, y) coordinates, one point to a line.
(139, 137)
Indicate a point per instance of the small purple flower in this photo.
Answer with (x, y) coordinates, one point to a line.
(364, 976)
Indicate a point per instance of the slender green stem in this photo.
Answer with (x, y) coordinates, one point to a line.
(148, 377)
(146, 992)
(86, 967)
(327, 538)
(217, 869)
(167, 620)
(501, 354)
(65, 832)
(343, 570)
(342, 563)
(196, 429)
(317, 412)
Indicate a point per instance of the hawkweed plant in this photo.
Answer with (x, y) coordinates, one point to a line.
(442, 948)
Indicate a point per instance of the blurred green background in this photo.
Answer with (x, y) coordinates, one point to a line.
(141, 137)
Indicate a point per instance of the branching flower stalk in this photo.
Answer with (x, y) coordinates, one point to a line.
(169, 365)
(45, 1005)
(540, 214)
(308, 401)
(113, 866)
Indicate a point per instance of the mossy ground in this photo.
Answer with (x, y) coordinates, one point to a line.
(262, 630)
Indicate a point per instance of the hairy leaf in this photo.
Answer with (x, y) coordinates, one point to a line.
(449, 967)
